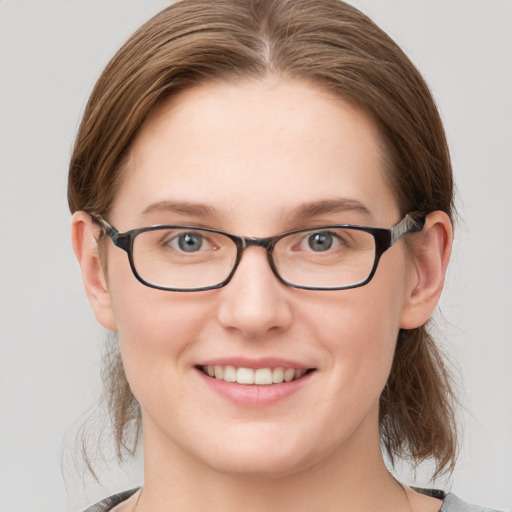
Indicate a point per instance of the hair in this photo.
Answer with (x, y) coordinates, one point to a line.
(326, 42)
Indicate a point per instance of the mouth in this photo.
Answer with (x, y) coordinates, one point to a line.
(250, 376)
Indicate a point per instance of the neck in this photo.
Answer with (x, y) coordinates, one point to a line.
(352, 478)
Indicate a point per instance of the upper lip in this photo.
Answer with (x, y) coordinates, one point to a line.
(254, 363)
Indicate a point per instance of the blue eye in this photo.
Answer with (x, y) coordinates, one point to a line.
(188, 242)
(321, 241)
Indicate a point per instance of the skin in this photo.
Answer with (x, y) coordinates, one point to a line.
(253, 152)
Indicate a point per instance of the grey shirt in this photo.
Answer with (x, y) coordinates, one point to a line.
(453, 504)
(450, 502)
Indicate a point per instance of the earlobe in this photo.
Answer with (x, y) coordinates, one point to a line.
(84, 238)
(432, 248)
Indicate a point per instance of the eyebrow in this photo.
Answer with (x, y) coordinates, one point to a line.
(299, 213)
(181, 207)
(322, 207)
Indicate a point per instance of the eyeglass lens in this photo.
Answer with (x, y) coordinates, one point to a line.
(188, 259)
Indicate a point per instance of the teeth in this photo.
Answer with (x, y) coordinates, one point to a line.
(248, 376)
(289, 373)
(277, 375)
(245, 376)
(219, 372)
(263, 376)
(230, 374)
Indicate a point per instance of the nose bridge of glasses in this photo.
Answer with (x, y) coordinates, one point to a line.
(266, 244)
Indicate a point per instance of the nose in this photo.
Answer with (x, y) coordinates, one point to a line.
(254, 301)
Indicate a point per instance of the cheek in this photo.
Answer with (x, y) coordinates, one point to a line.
(156, 328)
(358, 329)
(147, 319)
(156, 337)
(152, 324)
(360, 342)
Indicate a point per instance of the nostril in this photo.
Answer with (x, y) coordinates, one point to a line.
(254, 302)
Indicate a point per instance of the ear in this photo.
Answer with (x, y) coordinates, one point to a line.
(84, 236)
(432, 248)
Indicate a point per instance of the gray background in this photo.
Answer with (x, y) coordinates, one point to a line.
(51, 53)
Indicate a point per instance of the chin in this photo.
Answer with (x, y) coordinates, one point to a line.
(260, 466)
(262, 457)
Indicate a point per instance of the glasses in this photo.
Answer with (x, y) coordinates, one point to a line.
(188, 258)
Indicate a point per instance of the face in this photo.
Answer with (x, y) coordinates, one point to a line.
(257, 159)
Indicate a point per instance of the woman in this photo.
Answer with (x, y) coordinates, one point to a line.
(278, 175)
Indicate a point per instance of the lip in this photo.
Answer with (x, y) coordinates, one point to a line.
(254, 395)
(265, 362)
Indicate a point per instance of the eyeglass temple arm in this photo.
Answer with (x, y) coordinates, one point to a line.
(411, 222)
(107, 228)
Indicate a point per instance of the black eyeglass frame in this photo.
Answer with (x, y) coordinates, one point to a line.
(384, 239)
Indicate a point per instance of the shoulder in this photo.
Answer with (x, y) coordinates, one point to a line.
(111, 502)
(452, 503)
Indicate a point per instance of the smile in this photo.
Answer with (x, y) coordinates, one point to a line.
(250, 376)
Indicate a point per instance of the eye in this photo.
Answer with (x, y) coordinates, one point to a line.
(322, 241)
(187, 242)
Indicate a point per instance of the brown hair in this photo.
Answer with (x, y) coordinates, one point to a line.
(324, 41)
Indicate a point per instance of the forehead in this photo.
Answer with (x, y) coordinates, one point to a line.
(256, 149)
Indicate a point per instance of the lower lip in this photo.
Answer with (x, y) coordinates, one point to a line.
(254, 395)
